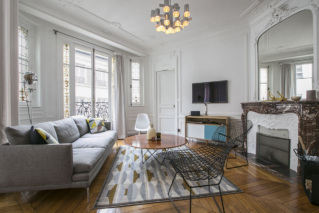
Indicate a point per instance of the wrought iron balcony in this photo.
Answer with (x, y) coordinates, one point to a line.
(85, 108)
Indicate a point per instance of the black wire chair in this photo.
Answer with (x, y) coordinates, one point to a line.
(201, 164)
(236, 128)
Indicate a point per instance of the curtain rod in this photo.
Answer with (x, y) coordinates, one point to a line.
(56, 31)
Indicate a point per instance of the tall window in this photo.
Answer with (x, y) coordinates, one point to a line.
(23, 36)
(303, 78)
(135, 83)
(263, 84)
(91, 83)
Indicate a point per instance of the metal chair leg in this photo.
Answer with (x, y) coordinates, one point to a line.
(246, 157)
(88, 194)
(221, 198)
(170, 196)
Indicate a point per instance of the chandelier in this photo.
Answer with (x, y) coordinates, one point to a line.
(170, 21)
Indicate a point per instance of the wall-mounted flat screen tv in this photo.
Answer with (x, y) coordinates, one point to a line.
(210, 92)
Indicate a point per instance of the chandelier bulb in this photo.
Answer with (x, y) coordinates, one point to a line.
(185, 23)
(153, 16)
(166, 7)
(186, 11)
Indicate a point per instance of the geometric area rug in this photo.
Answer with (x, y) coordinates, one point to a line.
(130, 182)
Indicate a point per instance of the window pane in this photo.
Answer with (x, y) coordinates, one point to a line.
(101, 86)
(263, 92)
(82, 58)
(304, 71)
(303, 79)
(83, 82)
(263, 75)
(135, 83)
(135, 71)
(23, 50)
(101, 95)
(303, 85)
(101, 62)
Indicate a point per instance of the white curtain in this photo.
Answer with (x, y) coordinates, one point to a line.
(119, 110)
(286, 80)
(9, 82)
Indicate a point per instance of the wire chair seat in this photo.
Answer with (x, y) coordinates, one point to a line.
(201, 163)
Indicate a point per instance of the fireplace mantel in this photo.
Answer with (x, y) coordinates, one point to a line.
(307, 112)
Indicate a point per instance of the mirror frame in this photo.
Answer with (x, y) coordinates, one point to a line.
(278, 15)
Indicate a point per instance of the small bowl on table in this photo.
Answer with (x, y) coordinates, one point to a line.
(295, 98)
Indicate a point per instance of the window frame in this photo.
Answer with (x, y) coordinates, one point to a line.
(141, 81)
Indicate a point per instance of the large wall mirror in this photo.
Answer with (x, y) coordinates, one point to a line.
(285, 57)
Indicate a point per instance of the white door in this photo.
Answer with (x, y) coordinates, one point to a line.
(166, 102)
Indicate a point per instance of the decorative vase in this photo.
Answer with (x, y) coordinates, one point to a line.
(151, 133)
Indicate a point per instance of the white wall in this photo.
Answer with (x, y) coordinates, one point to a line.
(213, 58)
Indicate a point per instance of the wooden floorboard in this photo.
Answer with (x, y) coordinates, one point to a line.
(262, 192)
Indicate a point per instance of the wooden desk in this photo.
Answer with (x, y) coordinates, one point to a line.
(203, 127)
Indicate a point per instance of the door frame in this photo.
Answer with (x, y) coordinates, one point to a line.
(176, 98)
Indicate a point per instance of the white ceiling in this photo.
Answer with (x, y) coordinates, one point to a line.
(127, 21)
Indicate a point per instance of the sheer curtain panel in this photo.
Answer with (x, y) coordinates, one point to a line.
(9, 85)
(120, 125)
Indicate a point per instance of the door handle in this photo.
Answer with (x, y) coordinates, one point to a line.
(173, 106)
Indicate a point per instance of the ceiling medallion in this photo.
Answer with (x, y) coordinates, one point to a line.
(170, 21)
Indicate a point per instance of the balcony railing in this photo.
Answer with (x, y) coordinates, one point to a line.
(85, 108)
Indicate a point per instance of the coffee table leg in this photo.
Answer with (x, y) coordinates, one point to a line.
(152, 154)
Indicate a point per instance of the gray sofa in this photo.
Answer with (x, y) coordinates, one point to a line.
(73, 163)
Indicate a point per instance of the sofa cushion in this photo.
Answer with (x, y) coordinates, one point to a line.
(108, 134)
(81, 123)
(91, 143)
(18, 135)
(49, 139)
(85, 159)
(66, 130)
(96, 125)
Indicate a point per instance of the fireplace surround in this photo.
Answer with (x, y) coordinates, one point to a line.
(304, 122)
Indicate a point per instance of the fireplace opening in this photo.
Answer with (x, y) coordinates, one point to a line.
(273, 149)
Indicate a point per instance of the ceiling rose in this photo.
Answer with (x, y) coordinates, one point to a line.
(170, 21)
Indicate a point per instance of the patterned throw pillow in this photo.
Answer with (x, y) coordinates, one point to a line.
(49, 139)
(96, 125)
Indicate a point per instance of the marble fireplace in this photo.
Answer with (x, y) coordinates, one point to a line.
(299, 118)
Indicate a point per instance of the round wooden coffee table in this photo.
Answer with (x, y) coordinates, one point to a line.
(166, 142)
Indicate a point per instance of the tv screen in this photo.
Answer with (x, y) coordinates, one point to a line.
(210, 92)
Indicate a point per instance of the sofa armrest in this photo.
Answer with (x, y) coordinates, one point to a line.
(35, 165)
